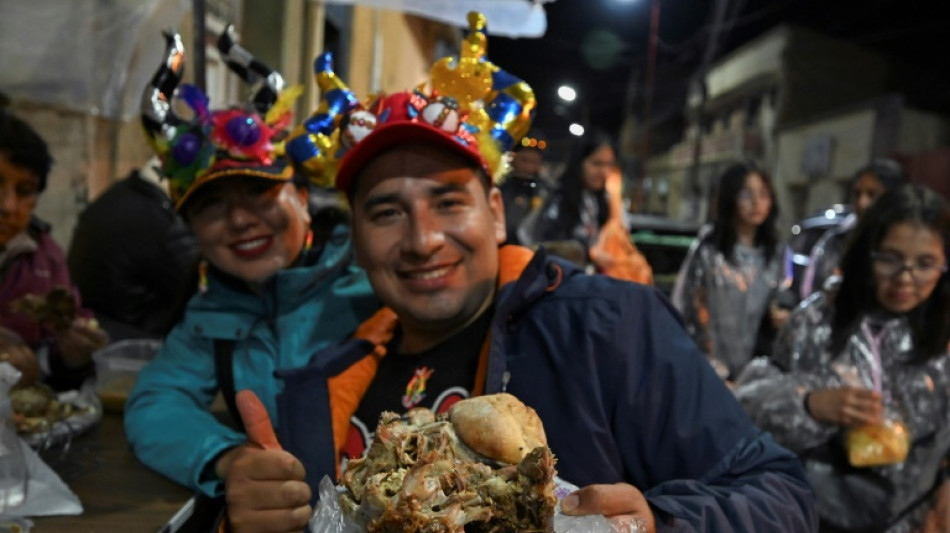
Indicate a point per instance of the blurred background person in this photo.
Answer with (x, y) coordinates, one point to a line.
(523, 190)
(873, 349)
(579, 208)
(733, 271)
(582, 211)
(131, 255)
(868, 182)
(40, 341)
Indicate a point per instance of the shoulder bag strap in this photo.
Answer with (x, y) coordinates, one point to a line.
(224, 370)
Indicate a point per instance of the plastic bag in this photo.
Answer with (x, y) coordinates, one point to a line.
(884, 443)
(328, 517)
(878, 444)
(13, 471)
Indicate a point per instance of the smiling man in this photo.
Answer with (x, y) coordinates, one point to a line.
(632, 410)
(429, 246)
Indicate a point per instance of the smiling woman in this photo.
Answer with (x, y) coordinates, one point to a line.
(250, 228)
(269, 296)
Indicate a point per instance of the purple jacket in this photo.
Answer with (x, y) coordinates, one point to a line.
(36, 273)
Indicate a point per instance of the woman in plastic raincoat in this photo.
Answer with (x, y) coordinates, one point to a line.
(587, 210)
(859, 383)
(869, 182)
(732, 271)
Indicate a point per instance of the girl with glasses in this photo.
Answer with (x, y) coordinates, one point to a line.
(870, 355)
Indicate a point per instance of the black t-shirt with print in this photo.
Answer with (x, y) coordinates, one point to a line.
(435, 378)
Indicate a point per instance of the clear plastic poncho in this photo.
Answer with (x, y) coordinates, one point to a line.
(723, 300)
(890, 497)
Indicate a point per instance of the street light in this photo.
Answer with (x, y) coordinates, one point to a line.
(576, 129)
(566, 93)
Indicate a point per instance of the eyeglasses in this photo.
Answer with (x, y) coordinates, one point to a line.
(891, 266)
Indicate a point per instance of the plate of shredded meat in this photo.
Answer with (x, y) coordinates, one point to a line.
(44, 418)
(483, 466)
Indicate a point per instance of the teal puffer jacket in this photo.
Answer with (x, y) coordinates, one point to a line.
(168, 421)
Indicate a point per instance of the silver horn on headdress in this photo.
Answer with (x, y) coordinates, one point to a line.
(266, 82)
(158, 118)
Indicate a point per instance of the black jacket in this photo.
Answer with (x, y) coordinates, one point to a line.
(130, 257)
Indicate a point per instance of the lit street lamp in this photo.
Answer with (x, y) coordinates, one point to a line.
(576, 129)
(566, 93)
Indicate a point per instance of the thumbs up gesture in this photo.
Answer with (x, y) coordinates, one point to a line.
(264, 485)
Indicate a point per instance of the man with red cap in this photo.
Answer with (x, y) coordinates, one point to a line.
(632, 411)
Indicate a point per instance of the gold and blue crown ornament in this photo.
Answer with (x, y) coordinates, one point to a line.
(473, 108)
(238, 141)
(314, 145)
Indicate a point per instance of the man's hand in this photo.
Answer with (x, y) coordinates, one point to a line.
(14, 351)
(847, 406)
(620, 503)
(264, 485)
(77, 342)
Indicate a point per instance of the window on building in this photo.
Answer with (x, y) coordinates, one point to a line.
(227, 10)
(753, 105)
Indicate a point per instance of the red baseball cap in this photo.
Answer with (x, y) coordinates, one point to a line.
(404, 118)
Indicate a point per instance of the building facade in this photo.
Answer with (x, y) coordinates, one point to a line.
(375, 50)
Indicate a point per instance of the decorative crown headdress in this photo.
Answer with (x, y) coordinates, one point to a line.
(213, 144)
(480, 109)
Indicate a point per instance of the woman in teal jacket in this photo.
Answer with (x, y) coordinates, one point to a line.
(270, 297)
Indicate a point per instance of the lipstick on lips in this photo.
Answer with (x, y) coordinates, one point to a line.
(253, 247)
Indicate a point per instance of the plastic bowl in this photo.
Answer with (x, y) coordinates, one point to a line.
(117, 368)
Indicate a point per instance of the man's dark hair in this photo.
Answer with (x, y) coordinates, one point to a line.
(724, 234)
(930, 321)
(526, 148)
(24, 147)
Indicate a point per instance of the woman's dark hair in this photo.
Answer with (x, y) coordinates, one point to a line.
(930, 321)
(887, 171)
(24, 147)
(572, 180)
(724, 235)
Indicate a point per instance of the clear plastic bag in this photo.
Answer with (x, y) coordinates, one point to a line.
(329, 517)
(885, 443)
(13, 471)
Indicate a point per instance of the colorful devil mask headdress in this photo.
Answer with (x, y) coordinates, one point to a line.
(215, 144)
(473, 108)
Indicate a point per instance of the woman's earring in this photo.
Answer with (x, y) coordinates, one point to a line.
(308, 242)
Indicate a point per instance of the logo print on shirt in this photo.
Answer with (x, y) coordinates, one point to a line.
(416, 389)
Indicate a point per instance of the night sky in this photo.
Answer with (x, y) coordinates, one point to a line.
(598, 46)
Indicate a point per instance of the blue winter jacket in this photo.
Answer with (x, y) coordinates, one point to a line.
(623, 392)
(168, 421)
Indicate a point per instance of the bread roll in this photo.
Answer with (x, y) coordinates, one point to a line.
(498, 426)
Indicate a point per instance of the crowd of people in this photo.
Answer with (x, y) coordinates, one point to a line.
(714, 410)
